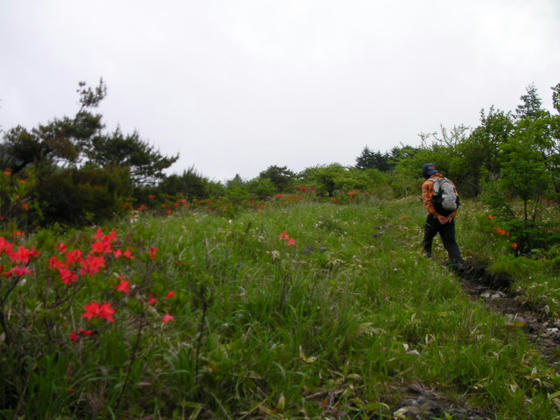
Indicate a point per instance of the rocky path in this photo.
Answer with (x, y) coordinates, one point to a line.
(495, 290)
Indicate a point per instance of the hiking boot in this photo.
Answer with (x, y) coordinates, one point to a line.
(458, 266)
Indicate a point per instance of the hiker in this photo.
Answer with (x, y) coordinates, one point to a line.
(441, 199)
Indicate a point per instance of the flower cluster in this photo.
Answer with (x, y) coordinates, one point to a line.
(73, 264)
(284, 236)
(19, 256)
(501, 231)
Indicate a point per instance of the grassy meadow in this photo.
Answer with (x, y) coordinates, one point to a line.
(307, 310)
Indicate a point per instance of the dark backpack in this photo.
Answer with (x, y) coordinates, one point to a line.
(445, 198)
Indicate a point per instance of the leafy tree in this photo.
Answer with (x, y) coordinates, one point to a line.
(261, 188)
(478, 157)
(329, 179)
(280, 176)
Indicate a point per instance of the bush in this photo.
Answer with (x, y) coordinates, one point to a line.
(87, 195)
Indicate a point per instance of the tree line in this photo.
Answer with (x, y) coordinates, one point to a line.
(72, 170)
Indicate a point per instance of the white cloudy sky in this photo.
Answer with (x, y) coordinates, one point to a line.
(237, 86)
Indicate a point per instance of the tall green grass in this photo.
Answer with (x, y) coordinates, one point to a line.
(341, 322)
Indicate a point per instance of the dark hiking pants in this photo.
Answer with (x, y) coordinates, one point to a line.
(447, 233)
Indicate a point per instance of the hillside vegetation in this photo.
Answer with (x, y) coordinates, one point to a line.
(126, 292)
(299, 310)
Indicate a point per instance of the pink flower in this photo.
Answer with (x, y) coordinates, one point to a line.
(171, 294)
(166, 318)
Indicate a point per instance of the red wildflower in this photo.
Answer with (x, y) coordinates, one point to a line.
(152, 300)
(86, 332)
(153, 252)
(98, 233)
(123, 286)
(151, 196)
(74, 336)
(67, 276)
(92, 264)
(62, 247)
(94, 309)
(5, 246)
(128, 254)
(25, 206)
(167, 317)
(291, 242)
(171, 294)
(19, 271)
(100, 236)
(514, 245)
(284, 236)
(55, 263)
(74, 256)
(101, 247)
(22, 254)
(490, 217)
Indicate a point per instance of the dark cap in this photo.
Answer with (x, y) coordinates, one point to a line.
(429, 169)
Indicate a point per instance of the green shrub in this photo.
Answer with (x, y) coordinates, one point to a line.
(87, 195)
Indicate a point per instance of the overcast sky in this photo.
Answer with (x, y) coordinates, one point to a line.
(237, 86)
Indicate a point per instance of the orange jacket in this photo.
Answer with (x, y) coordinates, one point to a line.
(428, 193)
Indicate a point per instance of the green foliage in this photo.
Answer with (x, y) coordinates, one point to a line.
(87, 195)
(332, 178)
(146, 164)
(189, 184)
(280, 176)
(336, 320)
(531, 104)
(374, 160)
(479, 157)
(262, 188)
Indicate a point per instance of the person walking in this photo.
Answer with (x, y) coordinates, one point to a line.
(441, 200)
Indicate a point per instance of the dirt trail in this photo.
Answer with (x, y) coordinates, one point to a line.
(495, 290)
